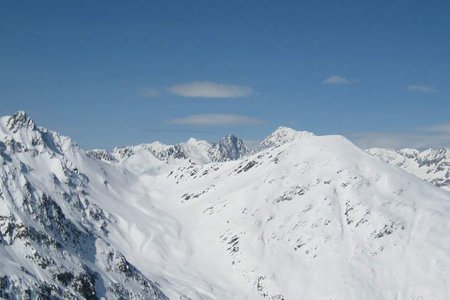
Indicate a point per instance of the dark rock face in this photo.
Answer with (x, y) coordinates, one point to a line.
(102, 155)
(20, 120)
(230, 148)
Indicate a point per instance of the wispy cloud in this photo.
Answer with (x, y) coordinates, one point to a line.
(426, 137)
(216, 120)
(440, 128)
(150, 92)
(421, 88)
(190, 131)
(336, 79)
(208, 89)
(367, 140)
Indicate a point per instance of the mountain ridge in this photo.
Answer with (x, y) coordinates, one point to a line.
(313, 217)
(229, 147)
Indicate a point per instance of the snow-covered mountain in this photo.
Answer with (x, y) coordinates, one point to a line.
(54, 234)
(151, 157)
(283, 135)
(432, 165)
(304, 217)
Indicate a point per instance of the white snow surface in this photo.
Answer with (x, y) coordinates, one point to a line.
(306, 217)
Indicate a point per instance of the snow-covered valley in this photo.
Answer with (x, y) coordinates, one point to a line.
(300, 217)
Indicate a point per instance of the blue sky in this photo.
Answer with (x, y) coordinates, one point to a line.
(111, 73)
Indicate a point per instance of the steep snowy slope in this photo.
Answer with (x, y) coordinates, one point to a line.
(307, 217)
(54, 235)
(432, 165)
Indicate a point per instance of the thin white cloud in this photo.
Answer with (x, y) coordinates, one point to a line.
(208, 89)
(336, 79)
(367, 140)
(441, 128)
(420, 88)
(415, 140)
(216, 120)
(150, 92)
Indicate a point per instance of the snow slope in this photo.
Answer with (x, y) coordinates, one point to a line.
(305, 217)
(315, 219)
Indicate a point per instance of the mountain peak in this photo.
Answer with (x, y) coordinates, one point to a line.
(283, 135)
(229, 138)
(230, 147)
(20, 120)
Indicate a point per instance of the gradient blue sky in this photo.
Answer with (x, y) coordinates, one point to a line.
(111, 73)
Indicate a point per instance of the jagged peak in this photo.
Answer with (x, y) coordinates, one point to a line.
(230, 147)
(22, 134)
(433, 155)
(283, 135)
(20, 120)
(233, 141)
(229, 138)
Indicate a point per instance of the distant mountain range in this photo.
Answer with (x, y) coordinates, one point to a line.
(152, 156)
(298, 217)
(432, 165)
